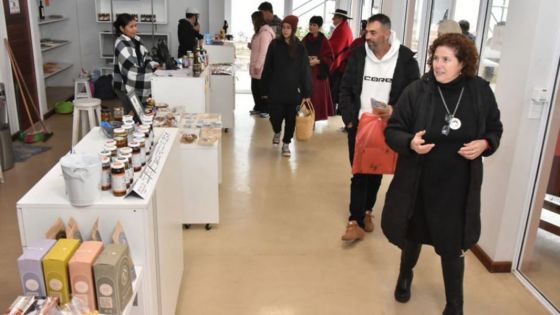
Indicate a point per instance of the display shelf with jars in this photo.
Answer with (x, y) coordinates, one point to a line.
(146, 11)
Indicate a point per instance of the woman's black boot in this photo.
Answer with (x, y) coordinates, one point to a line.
(453, 270)
(409, 257)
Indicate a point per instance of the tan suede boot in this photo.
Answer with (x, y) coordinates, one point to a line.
(368, 222)
(353, 232)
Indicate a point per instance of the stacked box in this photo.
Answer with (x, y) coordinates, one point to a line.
(112, 279)
(81, 272)
(30, 265)
(55, 268)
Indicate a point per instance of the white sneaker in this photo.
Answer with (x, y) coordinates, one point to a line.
(276, 139)
(286, 150)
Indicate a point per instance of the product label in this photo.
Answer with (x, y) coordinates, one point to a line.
(105, 302)
(118, 182)
(106, 289)
(81, 287)
(55, 284)
(106, 178)
(32, 285)
(136, 161)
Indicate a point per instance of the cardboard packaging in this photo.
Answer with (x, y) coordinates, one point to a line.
(55, 267)
(30, 265)
(81, 272)
(112, 279)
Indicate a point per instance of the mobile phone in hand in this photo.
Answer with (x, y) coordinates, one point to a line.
(377, 104)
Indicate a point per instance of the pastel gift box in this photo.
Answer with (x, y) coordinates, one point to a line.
(55, 268)
(30, 265)
(112, 279)
(81, 272)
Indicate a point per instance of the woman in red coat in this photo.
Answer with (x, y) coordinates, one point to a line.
(320, 59)
(341, 39)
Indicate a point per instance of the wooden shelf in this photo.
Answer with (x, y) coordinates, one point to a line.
(61, 67)
(54, 44)
(50, 19)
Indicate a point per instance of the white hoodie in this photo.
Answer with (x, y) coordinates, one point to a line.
(378, 75)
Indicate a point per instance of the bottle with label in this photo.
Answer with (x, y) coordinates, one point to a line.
(118, 179)
(106, 173)
(136, 159)
(41, 10)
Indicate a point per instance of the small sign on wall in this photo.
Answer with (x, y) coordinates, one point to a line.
(14, 6)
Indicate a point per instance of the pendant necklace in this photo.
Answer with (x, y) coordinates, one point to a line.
(453, 123)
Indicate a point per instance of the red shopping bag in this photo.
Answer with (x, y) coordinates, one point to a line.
(372, 155)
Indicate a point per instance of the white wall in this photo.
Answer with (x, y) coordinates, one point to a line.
(529, 58)
(396, 11)
(216, 10)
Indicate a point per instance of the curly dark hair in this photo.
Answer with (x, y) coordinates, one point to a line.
(465, 51)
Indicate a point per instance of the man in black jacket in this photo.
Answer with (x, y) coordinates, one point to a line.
(378, 71)
(188, 35)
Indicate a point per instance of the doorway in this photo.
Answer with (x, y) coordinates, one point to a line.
(539, 262)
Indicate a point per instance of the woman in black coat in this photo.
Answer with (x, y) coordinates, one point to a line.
(442, 126)
(286, 79)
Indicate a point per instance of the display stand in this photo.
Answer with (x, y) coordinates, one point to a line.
(221, 54)
(222, 83)
(178, 88)
(152, 225)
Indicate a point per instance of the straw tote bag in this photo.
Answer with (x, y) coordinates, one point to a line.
(305, 121)
(372, 155)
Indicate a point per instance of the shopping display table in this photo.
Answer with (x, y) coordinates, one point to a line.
(152, 224)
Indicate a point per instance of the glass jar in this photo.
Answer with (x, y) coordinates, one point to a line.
(124, 161)
(125, 150)
(121, 137)
(139, 137)
(118, 113)
(105, 173)
(106, 114)
(148, 143)
(126, 118)
(112, 149)
(118, 179)
(136, 159)
(130, 169)
(105, 153)
(129, 129)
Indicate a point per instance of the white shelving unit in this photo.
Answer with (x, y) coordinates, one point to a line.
(141, 8)
(51, 44)
(61, 66)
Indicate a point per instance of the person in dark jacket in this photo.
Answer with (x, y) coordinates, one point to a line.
(188, 35)
(441, 127)
(286, 81)
(380, 69)
(271, 19)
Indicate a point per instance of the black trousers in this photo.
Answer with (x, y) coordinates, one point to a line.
(283, 113)
(453, 269)
(363, 187)
(335, 79)
(261, 105)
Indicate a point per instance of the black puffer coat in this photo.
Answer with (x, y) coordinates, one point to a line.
(414, 113)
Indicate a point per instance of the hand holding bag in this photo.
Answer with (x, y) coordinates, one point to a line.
(372, 155)
(305, 121)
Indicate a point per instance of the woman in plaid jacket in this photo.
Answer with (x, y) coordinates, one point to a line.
(133, 67)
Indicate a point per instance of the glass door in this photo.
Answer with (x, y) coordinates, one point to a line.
(539, 262)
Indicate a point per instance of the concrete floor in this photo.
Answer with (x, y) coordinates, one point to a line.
(277, 249)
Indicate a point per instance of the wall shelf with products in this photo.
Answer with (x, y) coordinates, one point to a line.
(107, 42)
(50, 44)
(146, 11)
(52, 19)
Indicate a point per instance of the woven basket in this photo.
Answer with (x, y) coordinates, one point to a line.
(305, 121)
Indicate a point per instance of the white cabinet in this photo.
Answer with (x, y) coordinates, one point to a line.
(221, 54)
(142, 9)
(152, 225)
(178, 89)
(222, 97)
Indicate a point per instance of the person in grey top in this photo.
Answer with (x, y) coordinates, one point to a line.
(270, 18)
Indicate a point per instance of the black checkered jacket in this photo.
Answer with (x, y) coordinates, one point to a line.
(132, 72)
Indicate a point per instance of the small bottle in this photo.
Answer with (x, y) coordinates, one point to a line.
(129, 129)
(118, 113)
(41, 10)
(148, 143)
(124, 161)
(136, 159)
(141, 140)
(130, 169)
(118, 179)
(112, 149)
(106, 173)
(121, 137)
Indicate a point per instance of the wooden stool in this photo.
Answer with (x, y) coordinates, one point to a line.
(82, 89)
(86, 110)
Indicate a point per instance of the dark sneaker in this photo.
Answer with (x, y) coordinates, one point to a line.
(264, 115)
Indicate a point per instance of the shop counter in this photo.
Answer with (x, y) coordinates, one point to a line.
(152, 224)
(178, 88)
